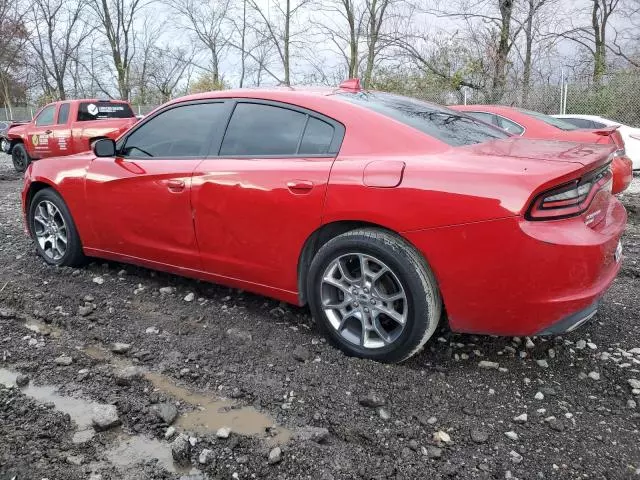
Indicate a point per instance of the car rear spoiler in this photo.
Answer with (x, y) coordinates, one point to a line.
(605, 131)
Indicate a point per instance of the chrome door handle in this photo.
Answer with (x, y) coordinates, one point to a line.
(300, 186)
(175, 185)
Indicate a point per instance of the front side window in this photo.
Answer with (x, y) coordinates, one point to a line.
(448, 126)
(63, 114)
(262, 130)
(46, 116)
(183, 131)
(549, 120)
(88, 111)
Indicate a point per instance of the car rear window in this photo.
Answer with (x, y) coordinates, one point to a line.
(448, 126)
(88, 111)
(554, 122)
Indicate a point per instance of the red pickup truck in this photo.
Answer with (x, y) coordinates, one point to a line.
(65, 128)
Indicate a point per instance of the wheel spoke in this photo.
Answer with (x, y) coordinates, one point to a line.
(380, 331)
(40, 220)
(392, 314)
(337, 305)
(338, 284)
(392, 297)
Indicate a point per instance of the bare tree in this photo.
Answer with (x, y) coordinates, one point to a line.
(529, 17)
(275, 27)
(210, 24)
(117, 23)
(592, 34)
(58, 33)
(168, 68)
(13, 39)
(492, 22)
(343, 29)
(626, 39)
(376, 11)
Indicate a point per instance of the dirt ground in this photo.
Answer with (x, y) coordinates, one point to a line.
(296, 408)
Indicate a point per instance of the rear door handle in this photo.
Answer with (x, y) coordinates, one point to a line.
(175, 185)
(48, 131)
(300, 186)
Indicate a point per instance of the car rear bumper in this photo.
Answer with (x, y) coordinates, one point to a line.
(517, 277)
(573, 321)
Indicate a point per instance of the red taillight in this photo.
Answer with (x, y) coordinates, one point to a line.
(570, 199)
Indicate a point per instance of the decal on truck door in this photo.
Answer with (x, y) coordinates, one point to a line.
(40, 141)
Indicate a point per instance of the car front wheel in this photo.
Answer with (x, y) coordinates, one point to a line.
(53, 229)
(374, 295)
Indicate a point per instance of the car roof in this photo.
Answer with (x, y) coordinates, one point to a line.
(279, 93)
(486, 108)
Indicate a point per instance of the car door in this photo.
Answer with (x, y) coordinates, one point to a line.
(259, 197)
(139, 201)
(60, 132)
(40, 132)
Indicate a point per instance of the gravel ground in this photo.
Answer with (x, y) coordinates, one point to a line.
(203, 357)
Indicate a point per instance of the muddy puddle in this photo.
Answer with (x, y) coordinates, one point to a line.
(133, 450)
(209, 412)
(80, 410)
(126, 451)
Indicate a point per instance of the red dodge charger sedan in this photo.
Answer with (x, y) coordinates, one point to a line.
(538, 125)
(379, 211)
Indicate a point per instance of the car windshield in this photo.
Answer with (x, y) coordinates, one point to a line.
(554, 122)
(88, 111)
(448, 126)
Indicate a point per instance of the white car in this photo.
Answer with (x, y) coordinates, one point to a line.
(630, 135)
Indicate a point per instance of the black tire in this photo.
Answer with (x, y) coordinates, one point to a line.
(411, 270)
(73, 255)
(20, 157)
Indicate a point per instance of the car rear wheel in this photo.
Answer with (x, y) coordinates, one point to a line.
(53, 229)
(374, 295)
(20, 157)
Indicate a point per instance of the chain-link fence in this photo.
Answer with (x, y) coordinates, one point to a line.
(617, 97)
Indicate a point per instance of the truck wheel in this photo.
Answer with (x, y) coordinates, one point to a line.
(20, 157)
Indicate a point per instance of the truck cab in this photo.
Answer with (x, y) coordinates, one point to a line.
(67, 127)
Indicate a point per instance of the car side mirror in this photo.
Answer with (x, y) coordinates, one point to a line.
(104, 147)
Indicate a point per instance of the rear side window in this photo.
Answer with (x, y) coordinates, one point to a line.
(485, 117)
(88, 111)
(46, 116)
(317, 137)
(63, 114)
(549, 120)
(448, 126)
(258, 130)
(180, 132)
(579, 122)
(509, 126)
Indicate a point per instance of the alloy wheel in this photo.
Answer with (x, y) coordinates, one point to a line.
(50, 230)
(364, 300)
